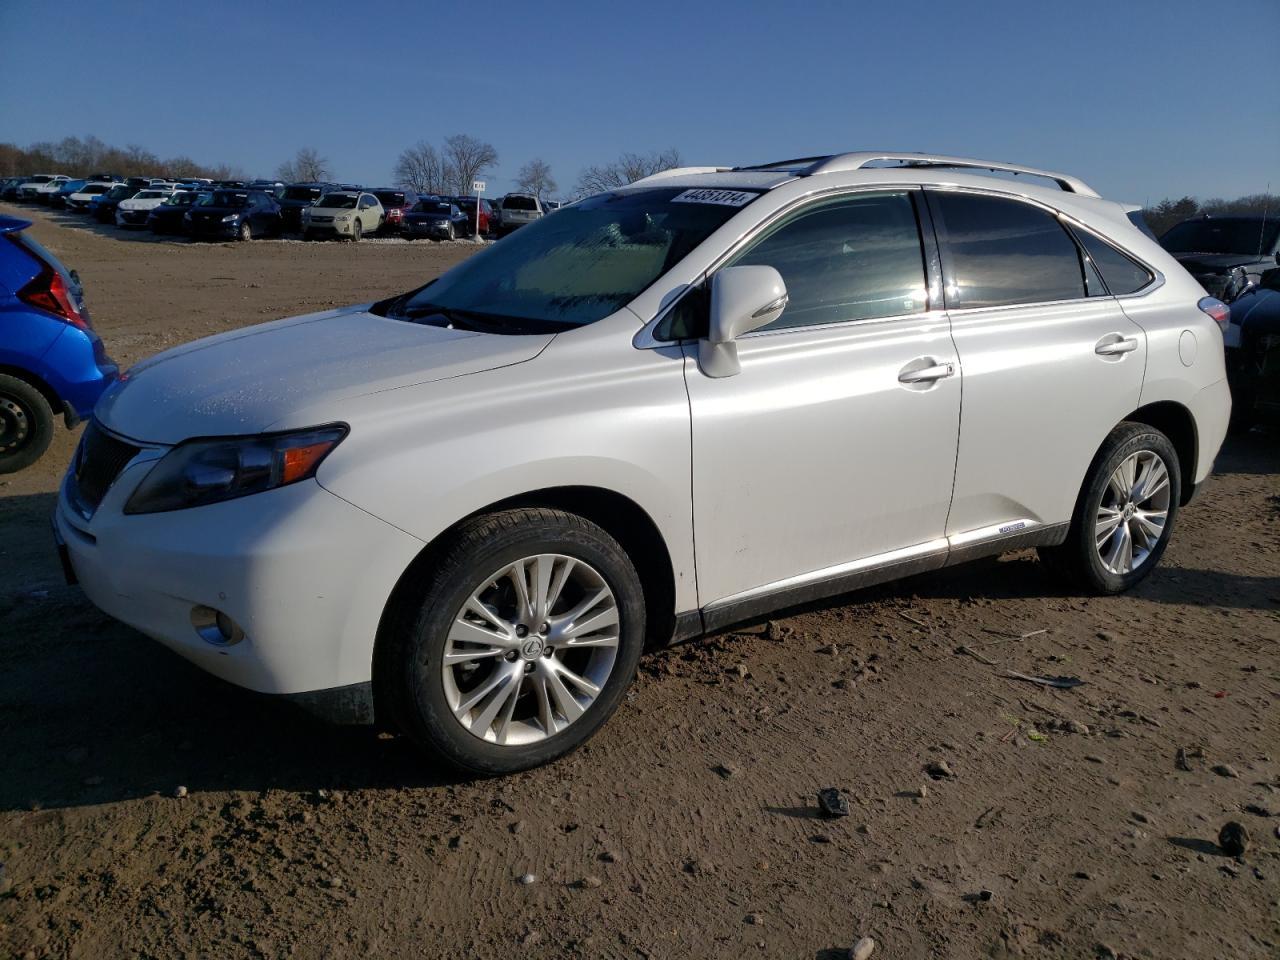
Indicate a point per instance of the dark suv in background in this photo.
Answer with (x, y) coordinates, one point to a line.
(396, 203)
(297, 197)
(1212, 247)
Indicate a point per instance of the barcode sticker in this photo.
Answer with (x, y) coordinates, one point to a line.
(725, 198)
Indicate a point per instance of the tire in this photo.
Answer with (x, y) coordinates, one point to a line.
(357, 231)
(308, 235)
(453, 234)
(26, 424)
(245, 233)
(1130, 506)
(419, 692)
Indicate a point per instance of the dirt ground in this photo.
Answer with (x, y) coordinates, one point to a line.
(687, 827)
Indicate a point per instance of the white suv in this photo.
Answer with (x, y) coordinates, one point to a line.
(665, 409)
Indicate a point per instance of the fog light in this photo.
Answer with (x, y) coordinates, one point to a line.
(214, 626)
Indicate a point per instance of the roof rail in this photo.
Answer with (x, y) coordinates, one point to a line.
(857, 161)
(677, 172)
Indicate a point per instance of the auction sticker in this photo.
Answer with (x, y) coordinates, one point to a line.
(725, 198)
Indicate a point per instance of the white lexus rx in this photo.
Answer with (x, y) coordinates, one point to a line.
(665, 409)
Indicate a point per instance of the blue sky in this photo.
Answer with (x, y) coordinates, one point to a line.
(1142, 99)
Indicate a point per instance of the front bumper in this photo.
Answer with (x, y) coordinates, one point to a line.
(342, 229)
(217, 228)
(132, 218)
(305, 574)
(426, 228)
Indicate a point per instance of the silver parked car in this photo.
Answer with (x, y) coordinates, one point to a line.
(665, 409)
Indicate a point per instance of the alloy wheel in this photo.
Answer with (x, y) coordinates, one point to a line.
(1133, 512)
(531, 649)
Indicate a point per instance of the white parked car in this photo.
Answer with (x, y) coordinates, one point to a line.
(44, 191)
(344, 213)
(80, 199)
(517, 210)
(134, 211)
(663, 410)
(28, 189)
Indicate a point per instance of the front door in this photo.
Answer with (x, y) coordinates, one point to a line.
(833, 450)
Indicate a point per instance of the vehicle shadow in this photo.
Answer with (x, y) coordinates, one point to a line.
(1256, 452)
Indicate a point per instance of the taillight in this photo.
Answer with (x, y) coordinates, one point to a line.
(48, 291)
(1218, 310)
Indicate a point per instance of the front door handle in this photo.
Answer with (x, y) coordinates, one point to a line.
(938, 371)
(1114, 345)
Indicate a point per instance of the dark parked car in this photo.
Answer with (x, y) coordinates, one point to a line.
(59, 199)
(168, 217)
(296, 198)
(234, 214)
(435, 217)
(104, 206)
(1211, 247)
(9, 188)
(273, 188)
(396, 203)
(488, 221)
(1252, 340)
(51, 362)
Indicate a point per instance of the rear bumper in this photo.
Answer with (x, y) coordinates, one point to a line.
(1211, 408)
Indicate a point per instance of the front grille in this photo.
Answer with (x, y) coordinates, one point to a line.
(99, 460)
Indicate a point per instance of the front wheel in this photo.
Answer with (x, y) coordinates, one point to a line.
(26, 424)
(357, 231)
(245, 232)
(1125, 512)
(517, 645)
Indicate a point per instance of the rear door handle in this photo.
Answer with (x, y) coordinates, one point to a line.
(1113, 345)
(939, 371)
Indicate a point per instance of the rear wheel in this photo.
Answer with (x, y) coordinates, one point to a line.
(517, 645)
(1125, 512)
(26, 424)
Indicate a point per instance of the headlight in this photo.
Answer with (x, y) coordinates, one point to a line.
(231, 218)
(208, 471)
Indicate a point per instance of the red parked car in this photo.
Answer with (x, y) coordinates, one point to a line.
(396, 203)
(487, 220)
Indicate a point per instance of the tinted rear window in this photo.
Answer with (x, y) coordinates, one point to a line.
(519, 203)
(1122, 275)
(302, 193)
(998, 251)
(1222, 235)
(390, 199)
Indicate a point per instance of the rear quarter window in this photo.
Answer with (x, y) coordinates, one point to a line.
(1121, 273)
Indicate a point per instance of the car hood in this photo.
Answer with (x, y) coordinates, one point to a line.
(1259, 311)
(250, 380)
(1216, 262)
(134, 204)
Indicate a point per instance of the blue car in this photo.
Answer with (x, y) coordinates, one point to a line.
(51, 361)
(68, 187)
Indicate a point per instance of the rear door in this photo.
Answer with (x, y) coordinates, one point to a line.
(1051, 363)
(832, 452)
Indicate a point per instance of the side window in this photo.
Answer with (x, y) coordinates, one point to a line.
(997, 251)
(856, 258)
(1122, 275)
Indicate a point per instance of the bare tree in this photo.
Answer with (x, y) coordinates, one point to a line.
(421, 169)
(535, 177)
(628, 168)
(465, 158)
(307, 166)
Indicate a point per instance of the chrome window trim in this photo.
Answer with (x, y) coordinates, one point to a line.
(644, 338)
(1157, 278)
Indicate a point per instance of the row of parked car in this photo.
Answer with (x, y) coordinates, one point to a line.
(242, 210)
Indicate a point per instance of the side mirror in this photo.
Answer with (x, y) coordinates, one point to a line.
(742, 299)
(1238, 284)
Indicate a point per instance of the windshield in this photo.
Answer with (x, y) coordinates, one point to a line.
(96, 188)
(121, 192)
(150, 195)
(574, 268)
(180, 200)
(390, 198)
(302, 193)
(432, 206)
(1222, 235)
(338, 201)
(224, 198)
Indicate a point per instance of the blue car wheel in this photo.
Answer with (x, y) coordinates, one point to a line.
(26, 424)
